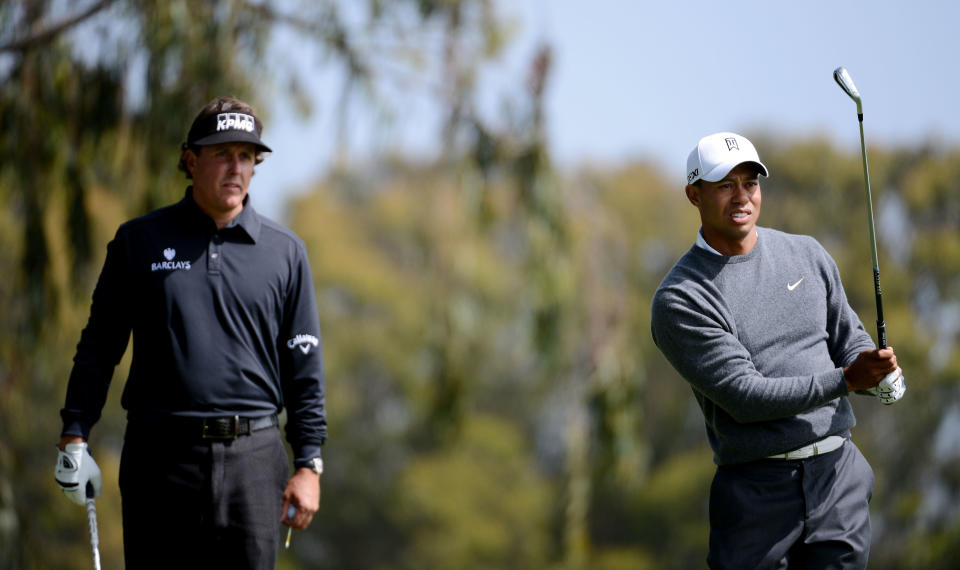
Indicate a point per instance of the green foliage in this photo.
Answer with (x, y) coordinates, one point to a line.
(479, 503)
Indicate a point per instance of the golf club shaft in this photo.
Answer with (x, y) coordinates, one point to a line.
(881, 327)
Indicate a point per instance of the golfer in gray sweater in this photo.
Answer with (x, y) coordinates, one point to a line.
(756, 320)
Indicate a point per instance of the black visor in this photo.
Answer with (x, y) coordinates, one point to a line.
(226, 128)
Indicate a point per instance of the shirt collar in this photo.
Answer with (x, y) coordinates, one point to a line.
(248, 220)
(703, 243)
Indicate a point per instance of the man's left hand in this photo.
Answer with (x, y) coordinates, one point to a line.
(891, 388)
(303, 492)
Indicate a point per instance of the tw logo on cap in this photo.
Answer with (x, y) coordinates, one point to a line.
(235, 121)
(717, 154)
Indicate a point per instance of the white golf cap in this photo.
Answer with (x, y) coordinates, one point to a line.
(717, 154)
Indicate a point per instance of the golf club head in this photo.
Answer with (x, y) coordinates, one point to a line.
(845, 82)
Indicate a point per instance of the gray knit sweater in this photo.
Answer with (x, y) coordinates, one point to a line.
(762, 339)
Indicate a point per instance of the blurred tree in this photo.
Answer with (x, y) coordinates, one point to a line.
(479, 504)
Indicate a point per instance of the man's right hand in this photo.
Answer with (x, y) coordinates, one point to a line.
(869, 368)
(75, 470)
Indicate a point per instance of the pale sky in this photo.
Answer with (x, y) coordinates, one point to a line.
(645, 80)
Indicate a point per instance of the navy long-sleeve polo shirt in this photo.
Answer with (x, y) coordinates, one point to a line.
(224, 323)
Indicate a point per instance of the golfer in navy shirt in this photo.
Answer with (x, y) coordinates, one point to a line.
(221, 306)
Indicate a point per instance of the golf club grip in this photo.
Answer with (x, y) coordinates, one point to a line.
(92, 524)
(94, 538)
(881, 326)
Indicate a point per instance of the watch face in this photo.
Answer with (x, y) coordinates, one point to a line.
(317, 465)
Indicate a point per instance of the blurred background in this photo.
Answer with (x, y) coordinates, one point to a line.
(490, 192)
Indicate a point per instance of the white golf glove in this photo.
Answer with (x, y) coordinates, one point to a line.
(890, 389)
(75, 470)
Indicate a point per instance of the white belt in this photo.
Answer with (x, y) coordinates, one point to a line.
(825, 445)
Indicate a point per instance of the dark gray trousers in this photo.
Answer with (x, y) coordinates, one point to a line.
(809, 513)
(191, 503)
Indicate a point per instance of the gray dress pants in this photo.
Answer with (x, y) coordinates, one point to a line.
(808, 513)
(192, 503)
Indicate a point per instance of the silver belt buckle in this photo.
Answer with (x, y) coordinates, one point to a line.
(217, 425)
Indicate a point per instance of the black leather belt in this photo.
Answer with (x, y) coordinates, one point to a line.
(232, 427)
(192, 427)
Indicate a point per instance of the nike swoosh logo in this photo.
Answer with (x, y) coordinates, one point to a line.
(791, 287)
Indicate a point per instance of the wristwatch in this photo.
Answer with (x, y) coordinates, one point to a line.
(317, 465)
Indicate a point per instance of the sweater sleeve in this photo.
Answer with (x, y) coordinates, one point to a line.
(698, 339)
(847, 336)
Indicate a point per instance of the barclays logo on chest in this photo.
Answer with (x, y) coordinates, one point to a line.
(169, 262)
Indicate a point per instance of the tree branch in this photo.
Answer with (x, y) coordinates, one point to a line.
(45, 35)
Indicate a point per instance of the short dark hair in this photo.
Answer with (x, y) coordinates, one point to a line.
(218, 105)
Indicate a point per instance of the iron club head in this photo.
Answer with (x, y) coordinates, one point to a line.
(845, 82)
